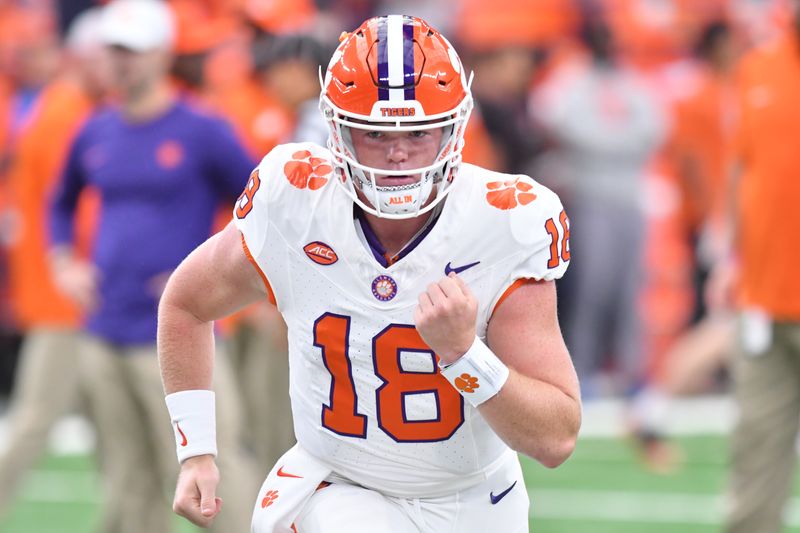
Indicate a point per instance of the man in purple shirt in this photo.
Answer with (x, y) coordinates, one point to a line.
(161, 167)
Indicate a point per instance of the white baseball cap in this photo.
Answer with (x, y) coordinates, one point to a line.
(138, 25)
(84, 31)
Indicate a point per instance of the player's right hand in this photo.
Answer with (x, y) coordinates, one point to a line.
(445, 317)
(195, 495)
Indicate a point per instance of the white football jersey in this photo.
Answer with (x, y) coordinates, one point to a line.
(366, 393)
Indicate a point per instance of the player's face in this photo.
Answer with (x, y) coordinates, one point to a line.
(396, 151)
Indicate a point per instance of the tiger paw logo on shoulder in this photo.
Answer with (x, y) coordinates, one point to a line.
(304, 171)
(509, 194)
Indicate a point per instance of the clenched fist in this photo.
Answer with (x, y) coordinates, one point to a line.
(445, 317)
(195, 495)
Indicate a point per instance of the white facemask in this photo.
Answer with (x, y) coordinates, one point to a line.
(401, 201)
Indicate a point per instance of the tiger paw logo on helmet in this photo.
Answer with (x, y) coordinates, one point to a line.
(509, 194)
(304, 171)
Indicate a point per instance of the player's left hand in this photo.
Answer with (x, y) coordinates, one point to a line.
(445, 317)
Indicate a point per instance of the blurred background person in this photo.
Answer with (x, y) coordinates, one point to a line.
(289, 68)
(278, 102)
(29, 57)
(703, 125)
(687, 347)
(161, 166)
(508, 49)
(202, 28)
(766, 368)
(501, 97)
(605, 126)
(46, 381)
(706, 119)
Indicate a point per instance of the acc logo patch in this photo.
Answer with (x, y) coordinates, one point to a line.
(509, 194)
(320, 253)
(304, 171)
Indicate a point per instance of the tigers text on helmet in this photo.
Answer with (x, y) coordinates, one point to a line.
(395, 73)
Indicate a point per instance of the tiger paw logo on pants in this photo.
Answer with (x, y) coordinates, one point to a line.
(269, 498)
(304, 171)
(509, 194)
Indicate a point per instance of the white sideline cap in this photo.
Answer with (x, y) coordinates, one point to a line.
(138, 25)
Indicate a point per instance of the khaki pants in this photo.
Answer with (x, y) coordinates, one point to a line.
(45, 388)
(137, 444)
(767, 392)
(261, 364)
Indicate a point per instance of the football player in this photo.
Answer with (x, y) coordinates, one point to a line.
(419, 295)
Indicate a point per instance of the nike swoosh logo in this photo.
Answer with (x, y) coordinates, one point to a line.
(281, 473)
(502, 495)
(184, 442)
(458, 270)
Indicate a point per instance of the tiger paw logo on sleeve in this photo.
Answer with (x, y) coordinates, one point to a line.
(304, 171)
(509, 194)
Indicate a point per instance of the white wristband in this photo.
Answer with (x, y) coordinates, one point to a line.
(478, 374)
(194, 421)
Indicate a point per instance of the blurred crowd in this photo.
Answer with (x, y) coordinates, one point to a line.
(623, 107)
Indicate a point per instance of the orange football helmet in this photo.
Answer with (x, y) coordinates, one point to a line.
(396, 73)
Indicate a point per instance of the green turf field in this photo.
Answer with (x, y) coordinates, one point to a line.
(601, 489)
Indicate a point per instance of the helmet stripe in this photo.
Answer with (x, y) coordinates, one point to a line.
(394, 40)
(408, 60)
(383, 61)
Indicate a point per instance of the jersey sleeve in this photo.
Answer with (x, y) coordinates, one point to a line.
(544, 235)
(283, 186)
(263, 189)
(251, 211)
(540, 233)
